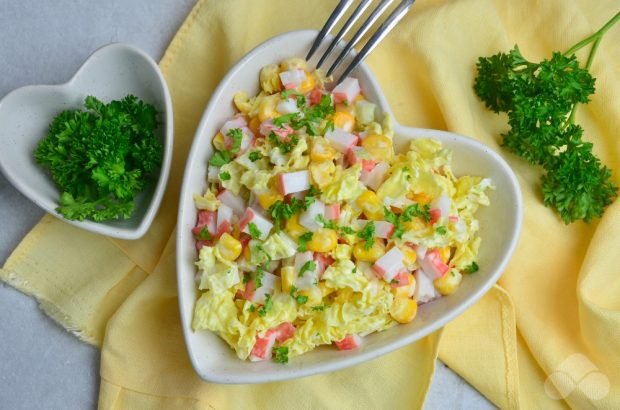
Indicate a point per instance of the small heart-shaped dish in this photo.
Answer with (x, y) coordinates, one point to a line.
(110, 73)
(500, 225)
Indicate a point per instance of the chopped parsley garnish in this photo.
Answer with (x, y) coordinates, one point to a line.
(329, 126)
(311, 195)
(309, 117)
(415, 210)
(252, 308)
(224, 176)
(300, 299)
(237, 136)
(258, 277)
(281, 354)
(408, 214)
(220, 158)
(246, 277)
(368, 234)
(303, 241)
(204, 235)
(308, 266)
(287, 93)
(262, 312)
(441, 230)
(255, 233)
(283, 119)
(395, 281)
(319, 308)
(285, 146)
(471, 268)
(254, 156)
(301, 101)
(347, 230)
(281, 211)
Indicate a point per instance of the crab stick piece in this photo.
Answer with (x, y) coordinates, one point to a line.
(332, 212)
(425, 289)
(206, 219)
(341, 140)
(237, 122)
(433, 265)
(347, 90)
(263, 347)
(309, 277)
(308, 218)
(292, 182)
(383, 229)
(440, 208)
(375, 177)
(389, 265)
(269, 282)
(262, 224)
(350, 342)
(284, 331)
(236, 203)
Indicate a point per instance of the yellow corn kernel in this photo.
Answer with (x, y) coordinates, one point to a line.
(448, 283)
(288, 275)
(308, 84)
(348, 108)
(228, 247)
(344, 120)
(420, 197)
(267, 108)
(269, 78)
(266, 199)
(326, 290)
(321, 150)
(444, 253)
(403, 310)
(371, 205)
(415, 224)
(409, 257)
(379, 147)
(376, 251)
(406, 291)
(323, 240)
(242, 101)
(293, 227)
(322, 173)
(294, 63)
(219, 142)
(314, 294)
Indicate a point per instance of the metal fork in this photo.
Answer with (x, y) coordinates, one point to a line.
(388, 24)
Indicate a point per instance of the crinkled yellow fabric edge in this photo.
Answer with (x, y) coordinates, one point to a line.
(508, 365)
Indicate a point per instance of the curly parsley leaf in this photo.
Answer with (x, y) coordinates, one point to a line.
(266, 308)
(281, 354)
(255, 233)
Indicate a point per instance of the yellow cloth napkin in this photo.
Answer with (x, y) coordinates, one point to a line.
(547, 336)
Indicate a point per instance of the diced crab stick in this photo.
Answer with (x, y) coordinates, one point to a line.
(357, 154)
(284, 331)
(237, 122)
(332, 212)
(350, 342)
(263, 347)
(292, 78)
(383, 229)
(440, 208)
(388, 266)
(323, 261)
(287, 106)
(291, 182)
(433, 265)
(234, 202)
(315, 96)
(347, 90)
(341, 140)
(267, 127)
(224, 219)
(262, 224)
(375, 177)
(308, 278)
(308, 218)
(420, 251)
(425, 289)
(402, 279)
(206, 219)
(269, 282)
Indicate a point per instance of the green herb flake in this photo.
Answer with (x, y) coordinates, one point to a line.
(255, 233)
(368, 234)
(309, 266)
(252, 308)
(266, 308)
(441, 230)
(254, 156)
(224, 176)
(471, 268)
(303, 241)
(281, 354)
(220, 158)
(204, 235)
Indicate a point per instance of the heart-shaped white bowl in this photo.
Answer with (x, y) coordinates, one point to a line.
(110, 73)
(500, 225)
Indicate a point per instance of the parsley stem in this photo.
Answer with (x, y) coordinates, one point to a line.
(594, 37)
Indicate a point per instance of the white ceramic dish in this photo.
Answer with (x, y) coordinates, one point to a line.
(500, 225)
(110, 73)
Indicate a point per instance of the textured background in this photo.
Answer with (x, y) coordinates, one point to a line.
(44, 42)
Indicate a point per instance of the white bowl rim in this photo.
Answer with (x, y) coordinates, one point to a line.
(376, 352)
(158, 193)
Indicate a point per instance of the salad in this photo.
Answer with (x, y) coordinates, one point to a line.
(312, 230)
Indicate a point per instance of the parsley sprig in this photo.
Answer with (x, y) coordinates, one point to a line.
(540, 100)
(398, 220)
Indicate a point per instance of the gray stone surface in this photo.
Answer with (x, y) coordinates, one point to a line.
(44, 42)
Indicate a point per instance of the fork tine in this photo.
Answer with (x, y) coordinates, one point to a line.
(342, 6)
(398, 13)
(345, 28)
(378, 11)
